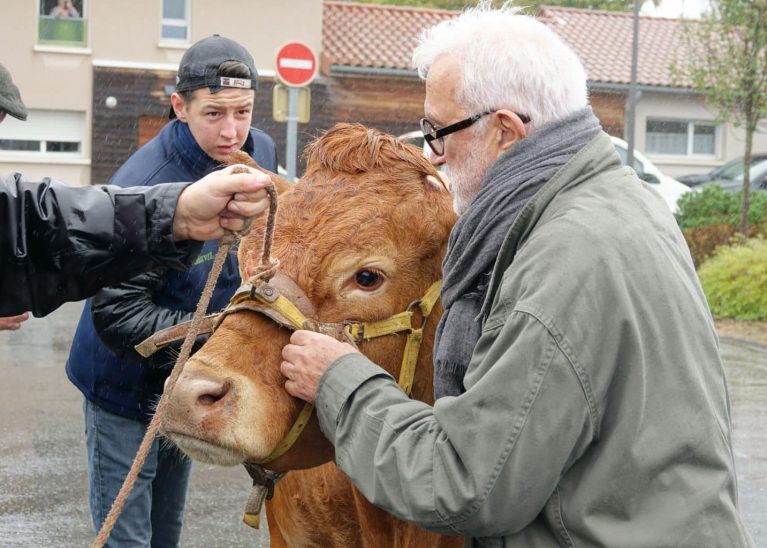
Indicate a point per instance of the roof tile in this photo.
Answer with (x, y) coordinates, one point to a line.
(602, 40)
(378, 36)
(375, 36)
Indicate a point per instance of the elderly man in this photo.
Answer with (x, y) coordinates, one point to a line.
(581, 396)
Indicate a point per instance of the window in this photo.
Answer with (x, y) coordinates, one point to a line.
(47, 133)
(62, 23)
(682, 138)
(175, 20)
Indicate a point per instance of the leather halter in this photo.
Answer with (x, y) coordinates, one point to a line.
(285, 303)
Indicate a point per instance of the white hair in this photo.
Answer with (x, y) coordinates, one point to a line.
(509, 61)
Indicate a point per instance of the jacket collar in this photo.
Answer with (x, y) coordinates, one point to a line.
(596, 157)
(192, 156)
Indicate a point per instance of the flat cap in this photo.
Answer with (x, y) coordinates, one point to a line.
(10, 100)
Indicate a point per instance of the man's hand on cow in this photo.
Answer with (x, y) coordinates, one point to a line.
(306, 359)
(12, 323)
(220, 200)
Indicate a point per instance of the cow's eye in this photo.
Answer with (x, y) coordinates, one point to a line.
(368, 279)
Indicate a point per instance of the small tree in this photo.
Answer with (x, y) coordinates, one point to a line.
(728, 65)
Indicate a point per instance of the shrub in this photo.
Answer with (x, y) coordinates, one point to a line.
(703, 241)
(710, 218)
(735, 281)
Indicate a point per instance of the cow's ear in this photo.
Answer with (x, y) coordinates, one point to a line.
(240, 157)
(438, 182)
(251, 246)
(249, 257)
(280, 184)
(251, 250)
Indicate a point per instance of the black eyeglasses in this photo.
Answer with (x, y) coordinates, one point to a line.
(435, 137)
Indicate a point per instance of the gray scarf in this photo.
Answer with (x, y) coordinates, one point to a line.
(479, 233)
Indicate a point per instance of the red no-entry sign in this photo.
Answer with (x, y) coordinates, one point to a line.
(296, 64)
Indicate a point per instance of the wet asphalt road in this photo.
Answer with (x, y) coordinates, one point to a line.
(43, 485)
(43, 488)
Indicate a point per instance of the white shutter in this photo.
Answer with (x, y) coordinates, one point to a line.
(46, 125)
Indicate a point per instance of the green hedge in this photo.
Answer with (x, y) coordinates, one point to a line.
(713, 205)
(735, 281)
(709, 218)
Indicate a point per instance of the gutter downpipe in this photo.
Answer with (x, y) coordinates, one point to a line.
(372, 71)
(609, 86)
(633, 97)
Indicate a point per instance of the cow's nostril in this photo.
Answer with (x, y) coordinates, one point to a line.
(213, 394)
(207, 399)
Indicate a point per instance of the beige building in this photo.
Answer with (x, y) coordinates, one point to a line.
(63, 66)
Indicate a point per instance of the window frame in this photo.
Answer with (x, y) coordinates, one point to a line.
(43, 148)
(174, 22)
(689, 153)
(37, 128)
(62, 43)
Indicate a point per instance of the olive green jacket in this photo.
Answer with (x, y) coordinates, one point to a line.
(596, 410)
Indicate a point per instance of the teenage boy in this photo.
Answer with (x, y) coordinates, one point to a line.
(211, 113)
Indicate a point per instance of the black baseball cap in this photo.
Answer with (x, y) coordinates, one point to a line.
(199, 66)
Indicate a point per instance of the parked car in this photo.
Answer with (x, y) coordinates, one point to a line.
(730, 175)
(669, 188)
(416, 138)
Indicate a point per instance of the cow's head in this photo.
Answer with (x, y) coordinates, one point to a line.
(362, 235)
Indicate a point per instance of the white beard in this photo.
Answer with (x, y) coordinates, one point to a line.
(466, 179)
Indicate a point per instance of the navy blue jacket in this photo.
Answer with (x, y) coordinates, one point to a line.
(113, 375)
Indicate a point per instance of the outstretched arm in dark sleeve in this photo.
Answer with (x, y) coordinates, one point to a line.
(60, 243)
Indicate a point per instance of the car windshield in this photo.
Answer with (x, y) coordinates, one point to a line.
(622, 153)
(733, 171)
(730, 170)
(758, 168)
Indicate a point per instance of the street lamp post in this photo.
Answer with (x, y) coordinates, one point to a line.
(633, 96)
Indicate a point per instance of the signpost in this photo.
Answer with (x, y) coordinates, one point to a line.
(280, 103)
(296, 68)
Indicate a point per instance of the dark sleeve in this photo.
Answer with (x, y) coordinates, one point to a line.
(60, 243)
(126, 314)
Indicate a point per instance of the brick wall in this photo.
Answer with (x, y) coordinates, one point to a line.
(392, 105)
(610, 108)
(115, 131)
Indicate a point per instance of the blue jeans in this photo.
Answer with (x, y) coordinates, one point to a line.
(153, 513)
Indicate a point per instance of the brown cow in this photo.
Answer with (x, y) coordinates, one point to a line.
(363, 235)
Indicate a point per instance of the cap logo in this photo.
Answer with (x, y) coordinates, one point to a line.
(228, 82)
